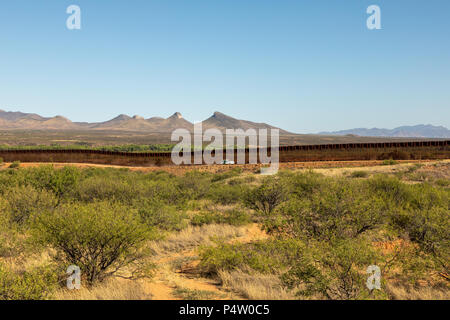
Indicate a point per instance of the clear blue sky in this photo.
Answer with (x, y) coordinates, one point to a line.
(303, 65)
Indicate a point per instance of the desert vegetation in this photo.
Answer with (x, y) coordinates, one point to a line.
(90, 146)
(234, 234)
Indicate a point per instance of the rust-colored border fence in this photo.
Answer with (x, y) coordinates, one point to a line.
(439, 149)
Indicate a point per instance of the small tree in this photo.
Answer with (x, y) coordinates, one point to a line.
(333, 270)
(267, 196)
(345, 210)
(100, 238)
(23, 201)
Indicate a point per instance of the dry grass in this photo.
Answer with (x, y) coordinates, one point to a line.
(194, 236)
(255, 286)
(425, 293)
(112, 289)
(430, 172)
(194, 294)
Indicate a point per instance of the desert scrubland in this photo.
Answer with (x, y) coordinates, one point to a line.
(305, 233)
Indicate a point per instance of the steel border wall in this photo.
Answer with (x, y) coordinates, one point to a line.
(282, 150)
(382, 145)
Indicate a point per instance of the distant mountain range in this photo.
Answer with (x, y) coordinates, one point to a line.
(30, 121)
(418, 131)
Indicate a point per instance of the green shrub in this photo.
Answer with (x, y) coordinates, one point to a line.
(59, 181)
(430, 229)
(10, 179)
(195, 184)
(23, 201)
(425, 196)
(37, 284)
(100, 238)
(265, 198)
(346, 210)
(227, 194)
(171, 192)
(129, 187)
(11, 242)
(414, 266)
(204, 218)
(236, 217)
(64, 180)
(333, 270)
(159, 175)
(305, 184)
(111, 189)
(389, 162)
(269, 256)
(159, 215)
(359, 174)
(442, 182)
(397, 194)
(14, 165)
(391, 189)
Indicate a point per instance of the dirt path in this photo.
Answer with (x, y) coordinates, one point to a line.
(179, 276)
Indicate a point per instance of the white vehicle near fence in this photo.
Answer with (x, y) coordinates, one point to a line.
(228, 162)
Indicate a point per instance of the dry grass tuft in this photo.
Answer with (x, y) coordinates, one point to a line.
(193, 294)
(194, 236)
(255, 286)
(113, 289)
(425, 293)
